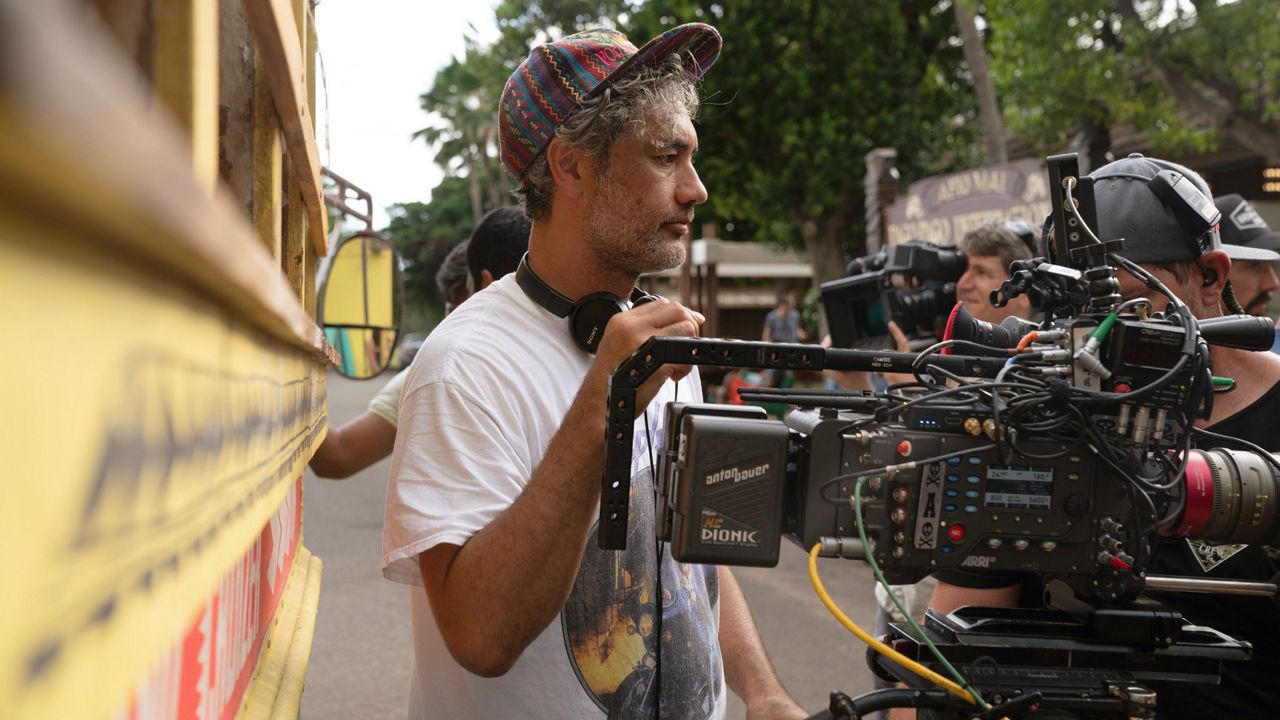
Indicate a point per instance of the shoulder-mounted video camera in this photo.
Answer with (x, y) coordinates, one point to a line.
(912, 283)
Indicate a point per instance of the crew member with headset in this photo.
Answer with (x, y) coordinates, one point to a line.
(1194, 264)
(496, 475)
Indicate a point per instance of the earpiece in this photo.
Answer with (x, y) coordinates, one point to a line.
(588, 316)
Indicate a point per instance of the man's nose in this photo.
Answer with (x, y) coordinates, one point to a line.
(691, 191)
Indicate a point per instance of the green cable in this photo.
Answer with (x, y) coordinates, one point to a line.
(880, 578)
(1104, 327)
(1223, 382)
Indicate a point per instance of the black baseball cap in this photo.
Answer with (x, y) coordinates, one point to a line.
(1128, 207)
(1242, 225)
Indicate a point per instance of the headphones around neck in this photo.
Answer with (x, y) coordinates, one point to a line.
(588, 316)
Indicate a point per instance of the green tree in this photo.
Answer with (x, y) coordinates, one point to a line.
(791, 109)
(1184, 73)
(800, 94)
(424, 233)
(464, 94)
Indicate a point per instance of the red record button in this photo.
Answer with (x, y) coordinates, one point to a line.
(955, 532)
(1121, 388)
(904, 448)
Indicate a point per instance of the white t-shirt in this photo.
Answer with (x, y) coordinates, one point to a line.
(386, 404)
(485, 395)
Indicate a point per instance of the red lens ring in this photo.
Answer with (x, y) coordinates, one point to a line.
(1198, 487)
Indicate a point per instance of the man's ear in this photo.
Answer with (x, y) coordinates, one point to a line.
(1216, 266)
(486, 278)
(568, 166)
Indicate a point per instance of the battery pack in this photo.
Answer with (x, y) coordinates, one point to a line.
(728, 480)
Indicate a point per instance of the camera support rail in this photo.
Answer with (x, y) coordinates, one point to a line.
(658, 351)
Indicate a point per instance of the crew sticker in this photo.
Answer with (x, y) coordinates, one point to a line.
(930, 506)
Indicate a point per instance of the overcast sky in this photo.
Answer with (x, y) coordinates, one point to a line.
(378, 57)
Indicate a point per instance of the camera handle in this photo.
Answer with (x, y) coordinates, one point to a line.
(658, 351)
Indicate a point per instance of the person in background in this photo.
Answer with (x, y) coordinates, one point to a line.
(781, 325)
(505, 233)
(990, 250)
(1252, 281)
(493, 250)
(451, 278)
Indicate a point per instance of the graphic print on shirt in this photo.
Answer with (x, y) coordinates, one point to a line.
(610, 623)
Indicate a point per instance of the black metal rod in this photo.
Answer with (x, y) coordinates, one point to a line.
(658, 351)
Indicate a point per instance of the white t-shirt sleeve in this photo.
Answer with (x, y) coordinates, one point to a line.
(386, 404)
(455, 469)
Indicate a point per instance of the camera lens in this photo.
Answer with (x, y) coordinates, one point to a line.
(1232, 497)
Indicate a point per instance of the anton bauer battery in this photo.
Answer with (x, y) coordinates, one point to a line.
(720, 484)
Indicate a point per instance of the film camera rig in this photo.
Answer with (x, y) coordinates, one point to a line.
(1062, 449)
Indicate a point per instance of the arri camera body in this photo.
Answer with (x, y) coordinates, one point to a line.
(911, 283)
(1063, 448)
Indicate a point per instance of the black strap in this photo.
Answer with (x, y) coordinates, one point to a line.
(540, 292)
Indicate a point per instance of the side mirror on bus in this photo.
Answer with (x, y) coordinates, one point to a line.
(359, 303)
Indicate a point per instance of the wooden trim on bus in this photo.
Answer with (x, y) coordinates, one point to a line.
(273, 26)
(185, 75)
(122, 174)
(268, 171)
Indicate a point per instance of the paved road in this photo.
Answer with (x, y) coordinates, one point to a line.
(360, 660)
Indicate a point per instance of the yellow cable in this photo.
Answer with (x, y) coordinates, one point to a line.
(949, 685)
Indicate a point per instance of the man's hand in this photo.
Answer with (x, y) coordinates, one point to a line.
(629, 330)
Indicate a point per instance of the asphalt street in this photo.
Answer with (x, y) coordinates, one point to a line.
(361, 656)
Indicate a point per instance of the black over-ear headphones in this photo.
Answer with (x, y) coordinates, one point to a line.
(588, 316)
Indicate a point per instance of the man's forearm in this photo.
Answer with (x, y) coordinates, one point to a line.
(747, 669)
(508, 582)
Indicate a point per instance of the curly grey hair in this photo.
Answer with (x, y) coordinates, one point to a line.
(662, 93)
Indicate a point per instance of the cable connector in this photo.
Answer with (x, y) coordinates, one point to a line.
(1090, 362)
(1087, 356)
(1121, 562)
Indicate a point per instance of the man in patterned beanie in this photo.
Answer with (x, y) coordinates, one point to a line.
(496, 479)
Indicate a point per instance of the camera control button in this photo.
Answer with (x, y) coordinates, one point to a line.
(955, 533)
